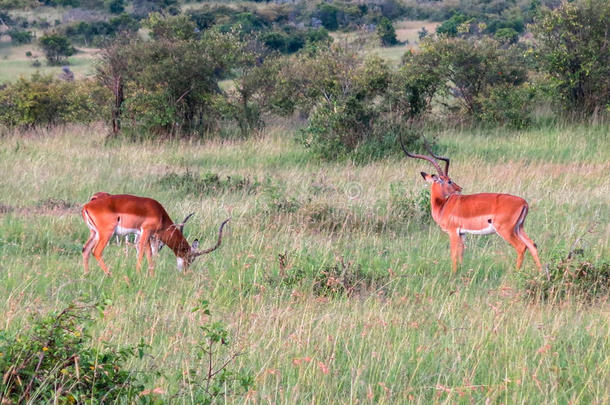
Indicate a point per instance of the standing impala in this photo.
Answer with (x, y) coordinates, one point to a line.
(479, 214)
(108, 214)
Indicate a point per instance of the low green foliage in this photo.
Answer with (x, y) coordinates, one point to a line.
(572, 48)
(346, 278)
(207, 184)
(571, 277)
(56, 48)
(43, 101)
(54, 361)
(215, 380)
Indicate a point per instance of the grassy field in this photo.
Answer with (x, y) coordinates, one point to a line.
(14, 63)
(410, 332)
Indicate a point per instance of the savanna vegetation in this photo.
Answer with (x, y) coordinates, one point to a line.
(333, 283)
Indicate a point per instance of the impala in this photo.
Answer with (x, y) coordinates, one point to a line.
(479, 214)
(155, 243)
(109, 214)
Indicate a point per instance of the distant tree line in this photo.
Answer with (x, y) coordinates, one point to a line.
(187, 81)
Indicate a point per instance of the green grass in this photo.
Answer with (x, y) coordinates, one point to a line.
(419, 334)
(14, 63)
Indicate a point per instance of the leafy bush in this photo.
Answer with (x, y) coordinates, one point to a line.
(42, 100)
(20, 36)
(572, 276)
(469, 69)
(346, 278)
(167, 85)
(386, 32)
(215, 380)
(54, 362)
(96, 32)
(342, 93)
(209, 183)
(408, 208)
(507, 105)
(572, 48)
(57, 48)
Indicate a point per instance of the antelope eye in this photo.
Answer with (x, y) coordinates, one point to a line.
(450, 182)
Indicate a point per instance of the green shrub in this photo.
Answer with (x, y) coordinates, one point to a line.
(42, 101)
(572, 48)
(507, 105)
(346, 278)
(209, 183)
(408, 208)
(214, 381)
(57, 48)
(386, 32)
(54, 361)
(570, 277)
(20, 36)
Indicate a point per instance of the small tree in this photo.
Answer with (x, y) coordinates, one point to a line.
(386, 32)
(116, 6)
(573, 51)
(56, 48)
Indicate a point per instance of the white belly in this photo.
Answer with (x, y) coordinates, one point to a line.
(119, 230)
(485, 231)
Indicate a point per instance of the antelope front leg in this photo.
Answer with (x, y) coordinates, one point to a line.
(142, 242)
(455, 241)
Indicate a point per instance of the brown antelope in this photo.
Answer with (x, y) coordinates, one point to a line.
(479, 214)
(155, 243)
(108, 214)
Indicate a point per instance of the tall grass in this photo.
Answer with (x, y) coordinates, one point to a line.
(418, 334)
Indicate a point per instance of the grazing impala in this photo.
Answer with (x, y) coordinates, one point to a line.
(108, 214)
(155, 243)
(479, 214)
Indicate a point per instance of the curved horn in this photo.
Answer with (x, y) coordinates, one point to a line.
(218, 242)
(428, 158)
(181, 224)
(446, 159)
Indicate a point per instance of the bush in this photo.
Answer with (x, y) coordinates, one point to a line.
(56, 48)
(346, 278)
(43, 101)
(570, 277)
(572, 48)
(507, 105)
(214, 381)
(209, 183)
(54, 361)
(469, 69)
(386, 32)
(167, 85)
(343, 96)
(409, 208)
(19, 36)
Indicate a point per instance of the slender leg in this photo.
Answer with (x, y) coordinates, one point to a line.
(142, 247)
(461, 251)
(151, 267)
(531, 246)
(103, 238)
(87, 249)
(511, 237)
(455, 242)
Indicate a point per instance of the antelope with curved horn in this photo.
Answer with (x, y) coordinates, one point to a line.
(480, 214)
(108, 214)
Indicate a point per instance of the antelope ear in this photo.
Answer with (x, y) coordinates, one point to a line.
(195, 244)
(430, 178)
